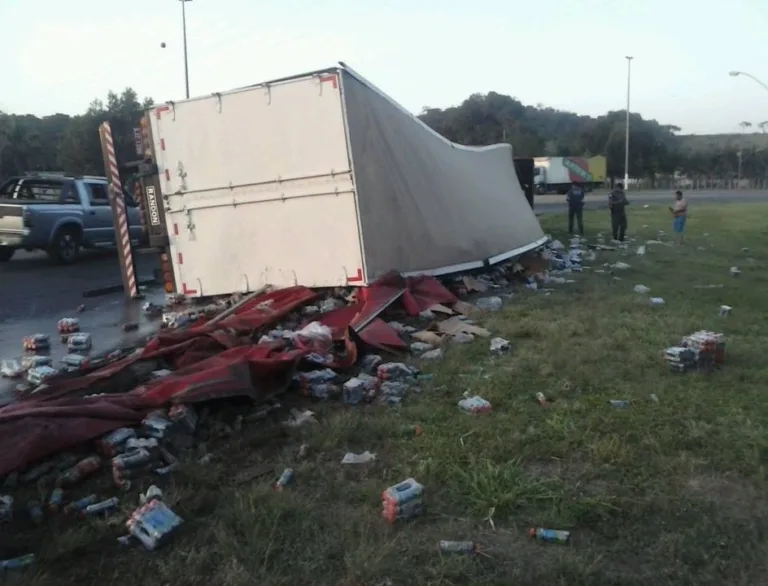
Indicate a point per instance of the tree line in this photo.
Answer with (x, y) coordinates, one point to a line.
(70, 143)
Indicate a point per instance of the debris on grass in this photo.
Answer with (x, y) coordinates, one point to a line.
(459, 547)
(620, 266)
(642, 289)
(500, 346)
(735, 271)
(489, 303)
(655, 301)
(285, 479)
(364, 458)
(701, 350)
(474, 404)
(619, 403)
(403, 501)
(541, 399)
(431, 355)
(724, 310)
(549, 535)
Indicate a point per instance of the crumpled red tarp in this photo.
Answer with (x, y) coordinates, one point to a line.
(211, 364)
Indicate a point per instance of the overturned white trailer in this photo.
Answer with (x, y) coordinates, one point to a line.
(322, 180)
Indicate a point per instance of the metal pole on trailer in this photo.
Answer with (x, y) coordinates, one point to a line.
(119, 214)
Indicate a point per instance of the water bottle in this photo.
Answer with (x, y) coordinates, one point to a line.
(80, 504)
(465, 547)
(285, 479)
(104, 507)
(17, 563)
(549, 535)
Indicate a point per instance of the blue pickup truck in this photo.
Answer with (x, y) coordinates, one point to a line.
(60, 214)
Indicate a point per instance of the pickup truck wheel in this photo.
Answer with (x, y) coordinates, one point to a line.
(6, 253)
(65, 247)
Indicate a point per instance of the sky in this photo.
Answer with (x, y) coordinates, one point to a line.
(567, 54)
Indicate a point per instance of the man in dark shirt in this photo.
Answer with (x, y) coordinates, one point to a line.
(575, 199)
(617, 203)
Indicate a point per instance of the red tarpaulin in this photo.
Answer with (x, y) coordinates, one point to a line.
(211, 363)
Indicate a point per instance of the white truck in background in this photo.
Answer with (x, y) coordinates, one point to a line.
(557, 174)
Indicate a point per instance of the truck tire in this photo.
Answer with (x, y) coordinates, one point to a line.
(65, 247)
(6, 253)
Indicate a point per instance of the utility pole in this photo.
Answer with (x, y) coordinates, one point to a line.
(626, 127)
(738, 154)
(184, 27)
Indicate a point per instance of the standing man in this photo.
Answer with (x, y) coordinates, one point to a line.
(679, 213)
(617, 203)
(575, 199)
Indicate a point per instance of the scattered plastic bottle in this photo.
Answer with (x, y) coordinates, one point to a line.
(619, 403)
(153, 494)
(102, 508)
(541, 399)
(18, 563)
(80, 504)
(55, 500)
(114, 442)
(285, 479)
(35, 512)
(549, 535)
(6, 508)
(394, 371)
(412, 430)
(132, 459)
(82, 469)
(464, 547)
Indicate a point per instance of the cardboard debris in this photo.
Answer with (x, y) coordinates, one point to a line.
(464, 308)
(473, 285)
(431, 338)
(455, 325)
(441, 309)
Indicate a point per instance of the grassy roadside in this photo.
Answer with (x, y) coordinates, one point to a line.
(672, 492)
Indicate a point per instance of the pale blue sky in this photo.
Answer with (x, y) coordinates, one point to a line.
(57, 55)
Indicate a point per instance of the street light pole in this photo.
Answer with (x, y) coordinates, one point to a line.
(738, 73)
(184, 26)
(626, 127)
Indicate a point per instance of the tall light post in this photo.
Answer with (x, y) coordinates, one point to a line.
(738, 73)
(626, 127)
(184, 27)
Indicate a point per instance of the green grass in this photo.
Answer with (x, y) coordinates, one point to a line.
(673, 492)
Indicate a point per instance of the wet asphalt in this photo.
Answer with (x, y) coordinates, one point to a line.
(35, 294)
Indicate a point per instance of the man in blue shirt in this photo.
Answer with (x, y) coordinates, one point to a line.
(575, 199)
